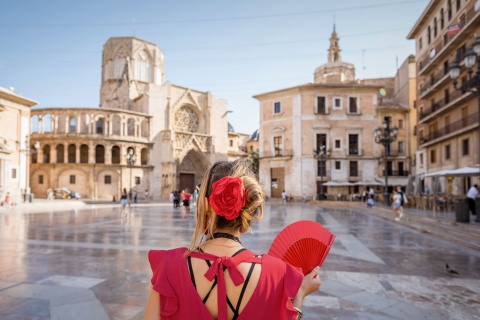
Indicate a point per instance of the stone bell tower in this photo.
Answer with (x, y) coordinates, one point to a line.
(334, 71)
(131, 68)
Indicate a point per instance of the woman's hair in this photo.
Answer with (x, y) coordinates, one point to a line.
(209, 223)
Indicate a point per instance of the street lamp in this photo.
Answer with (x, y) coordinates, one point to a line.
(385, 135)
(28, 150)
(131, 159)
(473, 82)
(321, 155)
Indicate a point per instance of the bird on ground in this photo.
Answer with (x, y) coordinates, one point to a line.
(450, 270)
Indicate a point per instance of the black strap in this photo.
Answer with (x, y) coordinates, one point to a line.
(190, 269)
(245, 284)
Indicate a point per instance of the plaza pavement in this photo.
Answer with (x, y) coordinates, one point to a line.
(67, 259)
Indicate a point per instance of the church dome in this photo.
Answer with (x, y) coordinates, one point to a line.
(230, 127)
(255, 136)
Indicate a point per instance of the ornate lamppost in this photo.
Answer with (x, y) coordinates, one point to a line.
(385, 136)
(321, 155)
(473, 82)
(131, 159)
(28, 150)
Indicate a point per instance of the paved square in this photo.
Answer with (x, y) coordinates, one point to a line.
(90, 262)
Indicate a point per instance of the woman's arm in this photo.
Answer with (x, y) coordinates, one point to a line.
(311, 283)
(152, 309)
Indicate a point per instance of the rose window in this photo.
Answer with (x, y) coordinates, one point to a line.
(186, 120)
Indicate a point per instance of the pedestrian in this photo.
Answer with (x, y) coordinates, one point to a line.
(471, 195)
(176, 199)
(371, 192)
(146, 194)
(396, 205)
(172, 197)
(403, 199)
(8, 202)
(130, 197)
(124, 198)
(185, 195)
(364, 195)
(50, 193)
(370, 202)
(260, 286)
(135, 196)
(195, 195)
(284, 197)
(304, 198)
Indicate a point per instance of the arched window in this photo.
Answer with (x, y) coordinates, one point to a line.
(34, 123)
(83, 153)
(99, 154)
(72, 153)
(46, 153)
(144, 156)
(47, 123)
(73, 125)
(60, 153)
(116, 155)
(99, 126)
(143, 67)
(130, 127)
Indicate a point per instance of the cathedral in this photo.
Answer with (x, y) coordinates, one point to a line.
(148, 135)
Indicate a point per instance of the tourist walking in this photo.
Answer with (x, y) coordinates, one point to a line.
(397, 205)
(124, 199)
(217, 264)
(471, 195)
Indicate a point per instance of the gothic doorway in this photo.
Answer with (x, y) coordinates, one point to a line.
(187, 181)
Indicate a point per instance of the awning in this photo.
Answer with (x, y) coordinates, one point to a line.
(338, 184)
(367, 183)
(465, 171)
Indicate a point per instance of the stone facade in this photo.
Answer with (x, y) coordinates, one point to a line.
(15, 147)
(176, 133)
(337, 114)
(448, 119)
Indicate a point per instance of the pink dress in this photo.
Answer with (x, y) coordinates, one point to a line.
(278, 284)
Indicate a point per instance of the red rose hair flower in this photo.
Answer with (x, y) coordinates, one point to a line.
(228, 197)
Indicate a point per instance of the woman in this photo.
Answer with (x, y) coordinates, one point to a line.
(124, 198)
(397, 203)
(186, 200)
(191, 283)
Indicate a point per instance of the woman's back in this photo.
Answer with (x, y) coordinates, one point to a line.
(267, 294)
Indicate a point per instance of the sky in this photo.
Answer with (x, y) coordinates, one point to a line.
(51, 50)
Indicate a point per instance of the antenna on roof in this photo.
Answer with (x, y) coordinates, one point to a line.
(333, 22)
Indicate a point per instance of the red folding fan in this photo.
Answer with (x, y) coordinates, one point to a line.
(304, 244)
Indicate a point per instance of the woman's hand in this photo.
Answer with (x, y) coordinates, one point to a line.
(311, 283)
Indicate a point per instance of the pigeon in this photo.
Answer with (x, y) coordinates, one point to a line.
(450, 270)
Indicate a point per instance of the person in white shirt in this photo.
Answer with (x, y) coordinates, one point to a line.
(471, 195)
(284, 197)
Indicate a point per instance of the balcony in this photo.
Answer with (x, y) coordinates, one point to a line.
(277, 153)
(449, 130)
(354, 152)
(438, 78)
(396, 173)
(442, 42)
(394, 153)
(441, 105)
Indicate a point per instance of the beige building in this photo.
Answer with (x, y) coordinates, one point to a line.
(337, 114)
(15, 145)
(448, 127)
(174, 132)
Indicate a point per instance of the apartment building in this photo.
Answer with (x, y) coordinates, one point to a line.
(448, 126)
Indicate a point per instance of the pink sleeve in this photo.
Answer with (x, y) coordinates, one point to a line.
(292, 281)
(168, 300)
